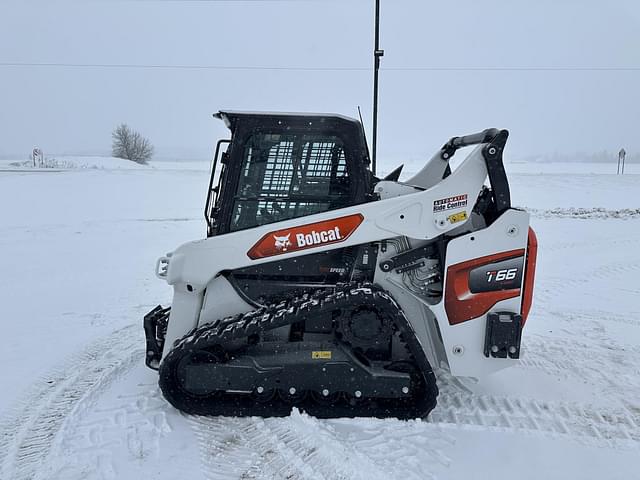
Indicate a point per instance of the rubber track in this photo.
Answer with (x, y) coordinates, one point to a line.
(217, 334)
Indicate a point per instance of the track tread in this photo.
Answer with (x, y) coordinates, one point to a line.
(217, 334)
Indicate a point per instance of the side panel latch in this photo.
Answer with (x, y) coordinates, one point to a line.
(503, 333)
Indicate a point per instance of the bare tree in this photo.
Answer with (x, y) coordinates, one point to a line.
(130, 145)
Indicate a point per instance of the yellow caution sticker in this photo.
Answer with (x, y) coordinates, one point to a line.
(457, 217)
(321, 354)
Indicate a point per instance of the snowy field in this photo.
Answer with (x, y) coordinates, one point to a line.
(79, 247)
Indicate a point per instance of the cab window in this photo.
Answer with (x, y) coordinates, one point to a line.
(286, 176)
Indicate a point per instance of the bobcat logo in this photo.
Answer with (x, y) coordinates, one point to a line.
(282, 243)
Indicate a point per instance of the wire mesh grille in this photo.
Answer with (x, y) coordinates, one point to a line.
(289, 168)
(319, 158)
(279, 169)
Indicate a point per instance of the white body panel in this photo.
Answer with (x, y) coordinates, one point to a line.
(212, 306)
(431, 173)
(404, 211)
(509, 232)
(192, 266)
(468, 337)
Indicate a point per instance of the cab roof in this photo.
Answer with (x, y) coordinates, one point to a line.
(231, 118)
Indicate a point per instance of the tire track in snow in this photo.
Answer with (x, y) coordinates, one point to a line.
(616, 427)
(614, 368)
(303, 447)
(554, 287)
(404, 448)
(589, 244)
(615, 269)
(569, 355)
(28, 433)
(256, 448)
(597, 317)
(129, 426)
(609, 366)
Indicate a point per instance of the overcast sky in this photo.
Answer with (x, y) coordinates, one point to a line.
(571, 80)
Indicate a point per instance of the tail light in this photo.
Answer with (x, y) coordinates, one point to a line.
(529, 274)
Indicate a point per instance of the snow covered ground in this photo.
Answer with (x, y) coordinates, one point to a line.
(79, 248)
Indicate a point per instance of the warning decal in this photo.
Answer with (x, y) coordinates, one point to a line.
(450, 203)
(321, 354)
(457, 217)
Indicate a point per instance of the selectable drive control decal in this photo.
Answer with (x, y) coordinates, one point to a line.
(311, 235)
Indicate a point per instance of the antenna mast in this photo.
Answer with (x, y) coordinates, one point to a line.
(377, 53)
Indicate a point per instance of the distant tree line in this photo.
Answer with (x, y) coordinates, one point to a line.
(130, 145)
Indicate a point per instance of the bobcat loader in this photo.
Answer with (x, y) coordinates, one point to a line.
(323, 287)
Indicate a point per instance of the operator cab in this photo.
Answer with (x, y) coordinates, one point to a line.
(279, 166)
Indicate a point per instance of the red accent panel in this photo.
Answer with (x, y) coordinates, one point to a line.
(529, 274)
(462, 305)
(306, 236)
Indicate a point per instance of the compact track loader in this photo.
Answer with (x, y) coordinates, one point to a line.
(323, 287)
